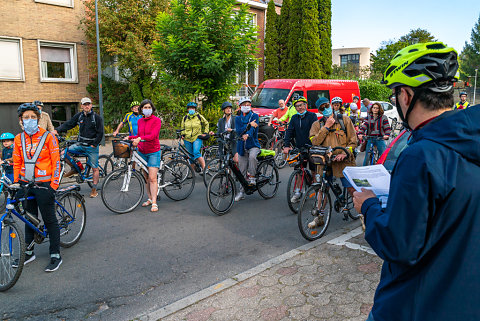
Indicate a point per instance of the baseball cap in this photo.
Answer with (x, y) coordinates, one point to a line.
(85, 100)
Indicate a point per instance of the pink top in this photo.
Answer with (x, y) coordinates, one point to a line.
(148, 130)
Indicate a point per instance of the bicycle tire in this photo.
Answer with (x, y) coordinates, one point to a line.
(118, 162)
(211, 153)
(112, 194)
(271, 143)
(12, 247)
(211, 168)
(105, 164)
(3, 200)
(263, 140)
(267, 170)
(222, 186)
(280, 156)
(72, 218)
(290, 189)
(180, 174)
(308, 210)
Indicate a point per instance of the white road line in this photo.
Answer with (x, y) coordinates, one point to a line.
(342, 240)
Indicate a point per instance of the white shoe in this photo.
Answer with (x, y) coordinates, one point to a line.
(240, 196)
(296, 197)
(317, 221)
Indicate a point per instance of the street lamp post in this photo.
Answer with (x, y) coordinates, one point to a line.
(475, 86)
(100, 90)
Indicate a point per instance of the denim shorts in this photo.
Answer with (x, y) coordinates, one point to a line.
(345, 182)
(194, 149)
(90, 152)
(152, 159)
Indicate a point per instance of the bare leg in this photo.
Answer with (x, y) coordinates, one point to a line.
(201, 161)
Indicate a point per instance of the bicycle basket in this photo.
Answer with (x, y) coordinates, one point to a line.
(317, 155)
(121, 149)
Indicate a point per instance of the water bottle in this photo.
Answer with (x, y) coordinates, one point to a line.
(80, 165)
(35, 221)
(317, 178)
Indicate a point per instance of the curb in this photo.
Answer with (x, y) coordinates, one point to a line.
(227, 283)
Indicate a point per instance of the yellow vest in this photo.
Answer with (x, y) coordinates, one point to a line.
(459, 105)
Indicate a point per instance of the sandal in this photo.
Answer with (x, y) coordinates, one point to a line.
(154, 208)
(147, 203)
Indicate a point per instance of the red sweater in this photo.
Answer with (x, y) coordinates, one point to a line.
(148, 130)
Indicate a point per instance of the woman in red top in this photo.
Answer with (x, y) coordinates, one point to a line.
(149, 148)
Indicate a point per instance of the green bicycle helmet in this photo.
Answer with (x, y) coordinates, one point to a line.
(299, 99)
(134, 103)
(432, 65)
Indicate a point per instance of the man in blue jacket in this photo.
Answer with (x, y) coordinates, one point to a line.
(429, 233)
(299, 126)
(248, 147)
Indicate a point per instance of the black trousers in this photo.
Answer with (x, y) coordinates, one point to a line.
(45, 201)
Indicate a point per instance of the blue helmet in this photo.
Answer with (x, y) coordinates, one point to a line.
(6, 136)
(226, 104)
(192, 105)
(27, 106)
(321, 101)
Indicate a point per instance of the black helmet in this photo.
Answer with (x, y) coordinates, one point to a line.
(226, 104)
(38, 103)
(27, 106)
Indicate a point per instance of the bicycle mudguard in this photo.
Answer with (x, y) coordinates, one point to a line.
(67, 189)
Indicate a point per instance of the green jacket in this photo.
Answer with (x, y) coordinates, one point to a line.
(194, 125)
(288, 115)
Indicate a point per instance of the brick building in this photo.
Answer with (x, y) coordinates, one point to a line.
(43, 56)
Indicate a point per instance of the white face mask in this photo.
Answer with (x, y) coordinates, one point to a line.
(245, 109)
(147, 112)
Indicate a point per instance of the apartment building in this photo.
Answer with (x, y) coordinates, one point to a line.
(356, 58)
(43, 56)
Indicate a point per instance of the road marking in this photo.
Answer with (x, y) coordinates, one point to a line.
(342, 240)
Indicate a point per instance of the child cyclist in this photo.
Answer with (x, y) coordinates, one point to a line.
(7, 152)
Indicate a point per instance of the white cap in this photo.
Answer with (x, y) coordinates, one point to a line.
(85, 100)
(353, 106)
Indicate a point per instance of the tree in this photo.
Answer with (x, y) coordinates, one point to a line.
(470, 55)
(382, 57)
(308, 65)
(201, 46)
(325, 36)
(284, 29)
(272, 50)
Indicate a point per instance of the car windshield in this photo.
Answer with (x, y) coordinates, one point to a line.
(268, 97)
(395, 151)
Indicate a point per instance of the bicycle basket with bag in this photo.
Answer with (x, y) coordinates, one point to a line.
(121, 149)
(317, 155)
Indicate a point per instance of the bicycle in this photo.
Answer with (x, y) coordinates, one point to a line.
(124, 188)
(83, 172)
(372, 152)
(72, 216)
(222, 185)
(316, 202)
(300, 179)
(276, 144)
(4, 181)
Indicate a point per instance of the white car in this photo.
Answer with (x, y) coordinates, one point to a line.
(388, 110)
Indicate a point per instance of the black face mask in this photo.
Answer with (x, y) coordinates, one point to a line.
(135, 113)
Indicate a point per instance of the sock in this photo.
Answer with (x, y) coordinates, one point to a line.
(55, 255)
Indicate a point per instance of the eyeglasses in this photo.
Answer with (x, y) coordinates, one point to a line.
(30, 117)
(86, 104)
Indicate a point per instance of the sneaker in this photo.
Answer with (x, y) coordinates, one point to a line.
(240, 196)
(28, 259)
(70, 173)
(93, 193)
(317, 221)
(54, 264)
(296, 197)
(252, 181)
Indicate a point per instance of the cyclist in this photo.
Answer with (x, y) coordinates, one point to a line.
(463, 103)
(91, 132)
(149, 149)
(131, 119)
(278, 113)
(376, 126)
(36, 157)
(194, 126)
(345, 109)
(355, 100)
(44, 122)
(248, 147)
(227, 124)
(337, 105)
(355, 112)
(427, 235)
(333, 130)
(7, 152)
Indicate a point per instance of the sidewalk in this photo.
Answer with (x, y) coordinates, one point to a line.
(330, 279)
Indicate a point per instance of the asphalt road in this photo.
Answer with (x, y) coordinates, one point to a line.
(127, 264)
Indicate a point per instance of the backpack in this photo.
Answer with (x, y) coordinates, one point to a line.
(199, 118)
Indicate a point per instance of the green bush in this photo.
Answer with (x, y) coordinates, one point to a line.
(373, 90)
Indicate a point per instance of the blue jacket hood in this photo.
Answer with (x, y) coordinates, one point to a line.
(457, 129)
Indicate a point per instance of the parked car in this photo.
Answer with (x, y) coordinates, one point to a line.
(394, 149)
(388, 109)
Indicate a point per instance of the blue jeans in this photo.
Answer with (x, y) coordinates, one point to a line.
(89, 151)
(152, 159)
(381, 146)
(194, 149)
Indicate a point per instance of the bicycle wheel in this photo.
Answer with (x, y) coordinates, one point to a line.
(296, 184)
(271, 143)
(117, 162)
(351, 210)
(221, 193)
(310, 210)
(12, 247)
(263, 140)
(72, 217)
(267, 180)
(105, 165)
(3, 200)
(178, 180)
(122, 190)
(211, 168)
(280, 156)
(210, 153)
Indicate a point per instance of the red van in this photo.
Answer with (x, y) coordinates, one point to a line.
(266, 97)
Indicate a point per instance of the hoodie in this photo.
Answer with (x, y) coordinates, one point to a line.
(429, 233)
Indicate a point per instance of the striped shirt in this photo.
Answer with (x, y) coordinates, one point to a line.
(376, 127)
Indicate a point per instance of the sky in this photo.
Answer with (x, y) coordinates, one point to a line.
(366, 23)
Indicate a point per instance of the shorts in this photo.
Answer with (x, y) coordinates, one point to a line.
(152, 159)
(345, 182)
(194, 149)
(89, 151)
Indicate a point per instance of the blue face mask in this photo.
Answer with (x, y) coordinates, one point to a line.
(30, 126)
(304, 112)
(327, 112)
(191, 111)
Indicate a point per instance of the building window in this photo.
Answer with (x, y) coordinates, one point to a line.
(349, 59)
(11, 59)
(63, 3)
(57, 61)
(248, 80)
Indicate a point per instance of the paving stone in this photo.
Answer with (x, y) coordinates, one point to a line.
(301, 312)
(200, 315)
(348, 310)
(304, 262)
(366, 308)
(369, 268)
(267, 281)
(295, 300)
(323, 312)
(247, 292)
(274, 313)
(290, 279)
(287, 270)
(360, 287)
(321, 299)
